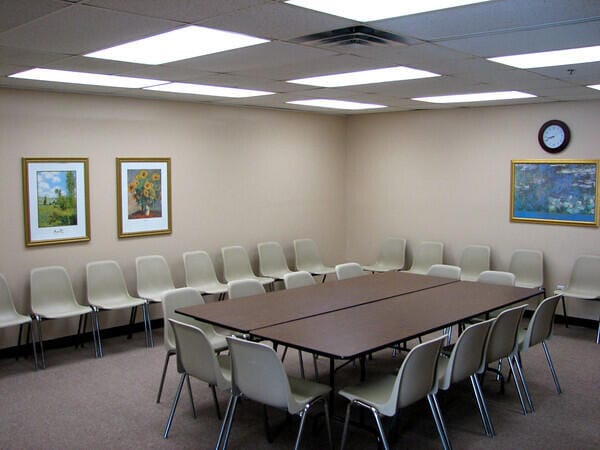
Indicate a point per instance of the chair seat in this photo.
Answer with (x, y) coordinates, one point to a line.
(377, 391)
(118, 303)
(278, 274)
(10, 320)
(152, 296)
(319, 269)
(217, 342)
(211, 288)
(381, 268)
(59, 312)
(303, 391)
(579, 293)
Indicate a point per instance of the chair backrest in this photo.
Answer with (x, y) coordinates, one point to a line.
(474, 260)
(51, 285)
(105, 280)
(195, 356)
(298, 279)
(528, 267)
(7, 306)
(271, 258)
(585, 276)
(236, 263)
(257, 372)
(199, 269)
(502, 338)
(244, 288)
(178, 298)
(416, 377)
(307, 253)
(497, 277)
(541, 323)
(427, 254)
(348, 270)
(444, 271)
(153, 276)
(467, 354)
(392, 252)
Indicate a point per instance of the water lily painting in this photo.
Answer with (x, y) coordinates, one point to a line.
(555, 191)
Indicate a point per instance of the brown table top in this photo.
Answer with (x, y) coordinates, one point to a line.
(355, 331)
(259, 311)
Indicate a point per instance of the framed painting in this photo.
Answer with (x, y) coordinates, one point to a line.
(563, 192)
(55, 200)
(143, 196)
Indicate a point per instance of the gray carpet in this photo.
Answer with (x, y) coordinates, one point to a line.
(81, 402)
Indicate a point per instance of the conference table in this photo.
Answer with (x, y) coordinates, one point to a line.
(347, 319)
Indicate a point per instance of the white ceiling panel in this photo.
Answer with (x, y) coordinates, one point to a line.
(17, 12)
(581, 74)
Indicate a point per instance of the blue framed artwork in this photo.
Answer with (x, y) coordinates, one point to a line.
(563, 192)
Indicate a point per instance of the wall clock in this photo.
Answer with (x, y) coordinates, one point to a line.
(554, 136)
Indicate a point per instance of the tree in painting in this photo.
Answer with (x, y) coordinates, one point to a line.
(57, 198)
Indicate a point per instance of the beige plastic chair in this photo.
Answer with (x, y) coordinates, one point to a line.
(444, 271)
(9, 317)
(392, 254)
(258, 374)
(236, 266)
(502, 344)
(497, 277)
(196, 358)
(309, 259)
(348, 270)
(426, 255)
(416, 380)
(153, 277)
(106, 290)
(179, 298)
(474, 260)
(528, 267)
(244, 288)
(271, 260)
(538, 332)
(583, 284)
(52, 297)
(200, 274)
(463, 362)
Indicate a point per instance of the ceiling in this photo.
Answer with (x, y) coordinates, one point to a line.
(454, 42)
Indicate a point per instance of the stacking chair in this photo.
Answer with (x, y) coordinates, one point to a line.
(502, 344)
(426, 255)
(528, 267)
(497, 277)
(200, 274)
(538, 332)
(271, 260)
(464, 362)
(584, 283)
(416, 379)
(391, 256)
(236, 266)
(52, 297)
(348, 270)
(153, 277)
(106, 290)
(244, 288)
(474, 260)
(444, 271)
(258, 374)
(9, 317)
(179, 298)
(196, 358)
(309, 259)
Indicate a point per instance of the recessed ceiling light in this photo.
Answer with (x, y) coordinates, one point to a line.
(184, 43)
(553, 58)
(212, 91)
(336, 104)
(480, 97)
(595, 86)
(95, 79)
(398, 73)
(367, 11)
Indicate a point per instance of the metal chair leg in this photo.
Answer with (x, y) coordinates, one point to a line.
(552, 371)
(230, 421)
(512, 371)
(524, 383)
(216, 400)
(346, 422)
(301, 362)
(147, 325)
(303, 415)
(485, 408)
(565, 315)
(38, 321)
(33, 343)
(174, 406)
(164, 373)
(439, 421)
(480, 405)
(384, 441)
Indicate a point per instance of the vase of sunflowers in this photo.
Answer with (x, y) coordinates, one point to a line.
(145, 189)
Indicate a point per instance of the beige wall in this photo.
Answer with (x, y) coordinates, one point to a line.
(239, 176)
(445, 175)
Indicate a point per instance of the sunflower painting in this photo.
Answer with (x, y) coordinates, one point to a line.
(144, 187)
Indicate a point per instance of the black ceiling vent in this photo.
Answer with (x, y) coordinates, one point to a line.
(356, 36)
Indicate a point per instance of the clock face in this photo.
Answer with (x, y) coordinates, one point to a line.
(554, 136)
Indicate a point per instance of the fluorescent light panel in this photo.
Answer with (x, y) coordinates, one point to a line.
(479, 97)
(553, 58)
(367, 11)
(335, 104)
(595, 86)
(212, 91)
(94, 79)
(398, 73)
(184, 43)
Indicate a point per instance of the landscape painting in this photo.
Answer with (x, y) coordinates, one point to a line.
(555, 191)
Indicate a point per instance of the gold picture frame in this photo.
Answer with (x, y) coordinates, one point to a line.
(55, 200)
(555, 191)
(143, 196)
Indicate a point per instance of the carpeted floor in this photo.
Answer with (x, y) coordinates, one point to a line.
(80, 402)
